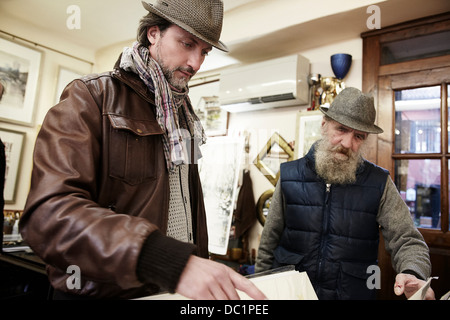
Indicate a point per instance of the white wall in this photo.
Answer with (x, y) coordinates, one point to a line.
(106, 58)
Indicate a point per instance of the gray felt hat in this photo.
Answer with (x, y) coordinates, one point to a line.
(202, 18)
(353, 109)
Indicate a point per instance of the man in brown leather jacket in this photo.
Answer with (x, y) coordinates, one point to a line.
(115, 207)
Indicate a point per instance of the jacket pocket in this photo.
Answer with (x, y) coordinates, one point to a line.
(285, 257)
(353, 282)
(135, 147)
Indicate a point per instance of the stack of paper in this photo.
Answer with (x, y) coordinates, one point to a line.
(284, 285)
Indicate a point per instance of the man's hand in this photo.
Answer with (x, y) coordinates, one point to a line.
(205, 279)
(408, 284)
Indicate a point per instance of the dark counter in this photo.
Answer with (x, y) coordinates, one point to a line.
(23, 277)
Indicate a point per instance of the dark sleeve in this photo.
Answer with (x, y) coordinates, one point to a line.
(162, 260)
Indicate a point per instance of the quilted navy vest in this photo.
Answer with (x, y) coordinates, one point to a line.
(331, 232)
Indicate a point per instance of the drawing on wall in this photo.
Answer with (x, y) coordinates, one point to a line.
(14, 143)
(308, 131)
(219, 173)
(205, 102)
(19, 74)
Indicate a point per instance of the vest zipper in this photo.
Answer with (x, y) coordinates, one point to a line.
(324, 231)
(327, 194)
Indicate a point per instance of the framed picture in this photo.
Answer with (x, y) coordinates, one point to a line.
(19, 75)
(219, 174)
(307, 131)
(65, 76)
(14, 143)
(205, 102)
(276, 151)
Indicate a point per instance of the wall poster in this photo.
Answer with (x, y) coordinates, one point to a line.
(19, 75)
(219, 173)
(14, 142)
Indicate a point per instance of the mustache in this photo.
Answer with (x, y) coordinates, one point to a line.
(341, 149)
(189, 70)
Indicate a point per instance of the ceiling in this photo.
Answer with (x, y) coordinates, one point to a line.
(336, 26)
(253, 29)
(103, 22)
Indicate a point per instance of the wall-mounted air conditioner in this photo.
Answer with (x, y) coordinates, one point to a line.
(274, 83)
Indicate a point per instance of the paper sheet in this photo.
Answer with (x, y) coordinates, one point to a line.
(286, 285)
(290, 285)
(446, 296)
(420, 294)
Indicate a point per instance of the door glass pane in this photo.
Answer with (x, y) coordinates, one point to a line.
(418, 120)
(419, 184)
(426, 46)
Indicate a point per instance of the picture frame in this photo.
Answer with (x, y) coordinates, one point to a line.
(308, 126)
(14, 142)
(276, 151)
(65, 76)
(205, 102)
(19, 77)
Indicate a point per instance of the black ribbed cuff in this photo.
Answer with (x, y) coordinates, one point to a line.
(162, 260)
(411, 272)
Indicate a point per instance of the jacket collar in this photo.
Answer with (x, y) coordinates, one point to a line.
(133, 81)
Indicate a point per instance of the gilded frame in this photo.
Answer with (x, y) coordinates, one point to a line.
(276, 151)
(263, 205)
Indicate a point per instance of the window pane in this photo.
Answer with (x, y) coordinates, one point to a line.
(419, 184)
(430, 45)
(418, 120)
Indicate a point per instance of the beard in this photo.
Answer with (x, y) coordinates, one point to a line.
(336, 164)
(179, 83)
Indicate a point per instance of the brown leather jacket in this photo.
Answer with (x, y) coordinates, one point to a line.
(100, 187)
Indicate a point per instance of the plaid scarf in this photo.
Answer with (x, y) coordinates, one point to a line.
(138, 60)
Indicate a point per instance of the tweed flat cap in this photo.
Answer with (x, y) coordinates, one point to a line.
(201, 18)
(353, 109)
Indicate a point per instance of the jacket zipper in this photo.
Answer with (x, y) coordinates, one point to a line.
(324, 231)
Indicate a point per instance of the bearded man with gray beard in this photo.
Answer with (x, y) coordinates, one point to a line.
(328, 207)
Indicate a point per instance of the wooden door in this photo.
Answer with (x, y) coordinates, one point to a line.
(387, 81)
(433, 165)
